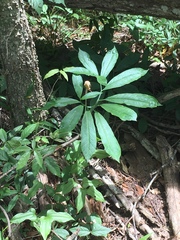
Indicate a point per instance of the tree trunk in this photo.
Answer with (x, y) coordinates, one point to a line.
(19, 62)
(161, 8)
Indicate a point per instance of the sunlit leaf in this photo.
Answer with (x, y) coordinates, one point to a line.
(109, 62)
(64, 74)
(21, 217)
(125, 77)
(99, 230)
(87, 62)
(102, 80)
(88, 135)
(51, 73)
(45, 226)
(124, 113)
(134, 99)
(108, 139)
(60, 217)
(79, 71)
(94, 193)
(146, 236)
(80, 199)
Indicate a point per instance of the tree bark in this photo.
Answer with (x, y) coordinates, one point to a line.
(161, 8)
(19, 62)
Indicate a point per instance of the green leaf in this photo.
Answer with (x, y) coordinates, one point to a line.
(94, 193)
(80, 199)
(78, 84)
(46, 221)
(3, 155)
(60, 217)
(79, 71)
(99, 230)
(21, 217)
(58, 2)
(45, 226)
(135, 100)
(51, 73)
(23, 160)
(122, 112)
(36, 186)
(61, 233)
(28, 130)
(145, 237)
(70, 121)
(37, 5)
(108, 139)
(88, 135)
(83, 231)
(48, 150)
(64, 74)
(125, 77)
(60, 102)
(90, 95)
(21, 149)
(38, 157)
(3, 135)
(67, 188)
(102, 80)
(12, 203)
(87, 62)
(5, 192)
(100, 153)
(52, 166)
(109, 62)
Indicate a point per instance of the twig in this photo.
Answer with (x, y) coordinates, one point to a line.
(10, 170)
(167, 96)
(8, 221)
(74, 235)
(56, 234)
(164, 131)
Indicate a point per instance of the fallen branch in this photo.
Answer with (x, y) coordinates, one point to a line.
(116, 191)
(171, 177)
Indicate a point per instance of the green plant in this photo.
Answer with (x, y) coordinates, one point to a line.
(90, 102)
(144, 28)
(26, 153)
(43, 224)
